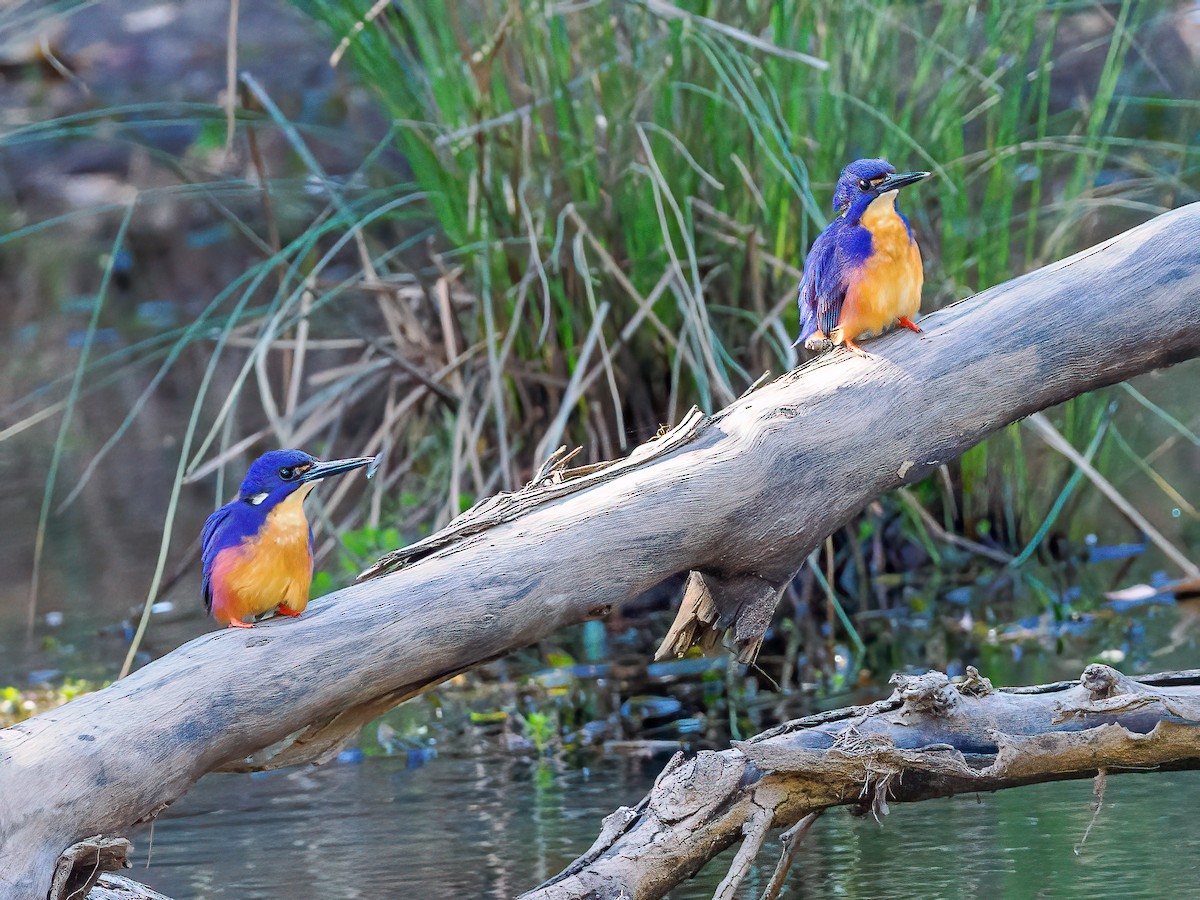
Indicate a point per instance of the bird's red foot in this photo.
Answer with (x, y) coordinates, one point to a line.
(906, 322)
(238, 623)
(854, 348)
(286, 611)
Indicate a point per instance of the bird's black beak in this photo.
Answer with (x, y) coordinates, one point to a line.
(335, 467)
(895, 182)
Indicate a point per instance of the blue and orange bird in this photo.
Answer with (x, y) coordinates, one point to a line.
(863, 274)
(257, 550)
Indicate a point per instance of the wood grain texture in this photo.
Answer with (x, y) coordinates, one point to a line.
(750, 492)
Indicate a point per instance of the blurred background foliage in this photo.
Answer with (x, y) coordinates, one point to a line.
(493, 227)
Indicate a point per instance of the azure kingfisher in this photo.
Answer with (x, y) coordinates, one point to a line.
(863, 274)
(257, 550)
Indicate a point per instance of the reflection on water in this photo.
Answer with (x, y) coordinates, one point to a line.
(492, 827)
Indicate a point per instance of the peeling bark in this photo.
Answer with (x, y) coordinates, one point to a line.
(740, 496)
(931, 738)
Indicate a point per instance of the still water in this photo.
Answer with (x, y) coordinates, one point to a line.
(492, 827)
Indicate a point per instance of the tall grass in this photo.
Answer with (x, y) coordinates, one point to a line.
(675, 162)
(585, 216)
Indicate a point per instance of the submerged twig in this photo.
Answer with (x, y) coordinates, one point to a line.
(1098, 785)
(791, 840)
(755, 831)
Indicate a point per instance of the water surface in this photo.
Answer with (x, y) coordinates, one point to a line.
(493, 827)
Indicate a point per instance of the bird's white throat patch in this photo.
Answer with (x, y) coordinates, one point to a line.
(882, 212)
(884, 202)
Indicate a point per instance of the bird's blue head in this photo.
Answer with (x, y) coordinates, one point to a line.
(866, 180)
(276, 475)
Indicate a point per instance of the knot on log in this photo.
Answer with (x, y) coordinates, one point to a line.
(974, 684)
(1110, 692)
(1101, 681)
(930, 694)
(81, 865)
(616, 824)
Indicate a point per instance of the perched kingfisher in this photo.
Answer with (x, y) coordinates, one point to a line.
(257, 550)
(863, 274)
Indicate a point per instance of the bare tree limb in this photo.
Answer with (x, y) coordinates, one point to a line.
(929, 739)
(746, 493)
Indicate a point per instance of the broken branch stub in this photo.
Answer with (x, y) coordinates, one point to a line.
(81, 865)
(552, 481)
(713, 604)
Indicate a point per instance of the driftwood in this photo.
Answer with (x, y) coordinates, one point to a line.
(930, 739)
(739, 497)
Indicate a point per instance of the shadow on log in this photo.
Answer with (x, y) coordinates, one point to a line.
(740, 497)
(929, 739)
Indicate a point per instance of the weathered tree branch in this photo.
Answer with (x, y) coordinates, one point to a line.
(745, 494)
(116, 887)
(929, 739)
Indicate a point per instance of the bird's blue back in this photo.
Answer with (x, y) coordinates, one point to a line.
(837, 251)
(230, 526)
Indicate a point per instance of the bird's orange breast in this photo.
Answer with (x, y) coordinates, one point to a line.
(271, 569)
(888, 284)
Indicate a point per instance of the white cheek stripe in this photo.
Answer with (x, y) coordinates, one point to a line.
(257, 499)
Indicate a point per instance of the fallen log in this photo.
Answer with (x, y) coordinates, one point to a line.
(739, 497)
(929, 739)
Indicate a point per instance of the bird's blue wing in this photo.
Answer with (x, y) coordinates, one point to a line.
(222, 529)
(836, 253)
(822, 289)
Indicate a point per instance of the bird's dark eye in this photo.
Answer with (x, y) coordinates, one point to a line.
(864, 185)
(287, 473)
